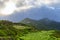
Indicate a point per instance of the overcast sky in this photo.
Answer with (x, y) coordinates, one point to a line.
(17, 10)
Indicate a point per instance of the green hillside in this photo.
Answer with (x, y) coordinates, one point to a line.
(33, 30)
(41, 35)
(43, 24)
(13, 30)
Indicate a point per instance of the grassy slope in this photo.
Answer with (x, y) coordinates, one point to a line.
(39, 35)
(42, 35)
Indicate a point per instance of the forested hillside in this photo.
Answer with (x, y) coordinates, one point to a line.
(42, 24)
(29, 29)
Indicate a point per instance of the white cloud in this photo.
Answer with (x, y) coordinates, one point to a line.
(27, 4)
(35, 3)
(18, 5)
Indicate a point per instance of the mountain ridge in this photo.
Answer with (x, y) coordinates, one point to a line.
(42, 24)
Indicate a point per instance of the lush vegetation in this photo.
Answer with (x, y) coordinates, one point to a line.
(13, 30)
(21, 31)
(41, 35)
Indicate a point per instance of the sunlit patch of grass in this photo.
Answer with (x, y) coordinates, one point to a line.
(21, 27)
(42, 35)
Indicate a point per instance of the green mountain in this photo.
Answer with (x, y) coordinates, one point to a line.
(42, 24)
(28, 21)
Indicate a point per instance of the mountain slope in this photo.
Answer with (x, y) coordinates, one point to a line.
(42, 24)
(28, 21)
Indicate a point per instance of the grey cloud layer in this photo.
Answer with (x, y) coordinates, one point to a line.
(32, 3)
(40, 9)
